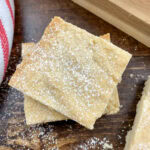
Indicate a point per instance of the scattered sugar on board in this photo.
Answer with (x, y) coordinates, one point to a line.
(135, 48)
(131, 75)
(95, 143)
(18, 48)
(16, 130)
(119, 137)
(138, 77)
(121, 106)
(131, 89)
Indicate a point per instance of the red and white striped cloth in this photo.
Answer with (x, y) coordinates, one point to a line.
(6, 33)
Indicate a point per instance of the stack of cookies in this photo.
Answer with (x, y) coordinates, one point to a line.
(69, 74)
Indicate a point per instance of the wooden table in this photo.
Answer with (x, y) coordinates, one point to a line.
(32, 16)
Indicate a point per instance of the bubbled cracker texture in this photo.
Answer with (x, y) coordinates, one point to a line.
(74, 78)
(36, 112)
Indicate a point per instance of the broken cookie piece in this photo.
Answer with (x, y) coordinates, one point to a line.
(139, 137)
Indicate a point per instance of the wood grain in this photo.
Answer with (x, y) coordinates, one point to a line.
(138, 8)
(31, 19)
(132, 17)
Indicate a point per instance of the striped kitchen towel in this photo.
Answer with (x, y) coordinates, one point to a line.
(6, 33)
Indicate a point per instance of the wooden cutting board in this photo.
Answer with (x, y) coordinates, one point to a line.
(31, 19)
(130, 16)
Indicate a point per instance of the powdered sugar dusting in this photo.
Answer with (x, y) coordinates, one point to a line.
(75, 79)
(68, 68)
(95, 143)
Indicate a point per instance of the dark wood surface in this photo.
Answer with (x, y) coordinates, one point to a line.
(32, 16)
